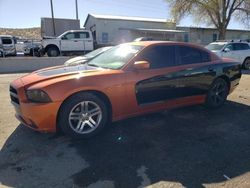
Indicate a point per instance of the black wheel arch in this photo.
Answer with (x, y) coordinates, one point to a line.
(99, 94)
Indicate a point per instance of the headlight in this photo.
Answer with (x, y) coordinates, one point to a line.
(38, 96)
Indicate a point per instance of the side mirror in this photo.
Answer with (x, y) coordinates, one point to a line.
(140, 65)
(226, 50)
(64, 38)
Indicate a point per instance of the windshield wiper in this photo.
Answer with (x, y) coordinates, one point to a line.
(93, 65)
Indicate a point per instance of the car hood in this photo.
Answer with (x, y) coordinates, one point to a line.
(57, 72)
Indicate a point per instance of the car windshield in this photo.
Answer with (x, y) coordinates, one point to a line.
(215, 47)
(96, 52)
(116, 57)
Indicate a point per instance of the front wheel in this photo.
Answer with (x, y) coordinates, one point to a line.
(83, 115)
(53, 52)
(246, 64)
(217, 94)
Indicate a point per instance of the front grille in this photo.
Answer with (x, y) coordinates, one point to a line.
(13, 95)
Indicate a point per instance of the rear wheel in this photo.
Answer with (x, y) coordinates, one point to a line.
(52, 51)
(217, 93)
(246, 64)
(83, 115)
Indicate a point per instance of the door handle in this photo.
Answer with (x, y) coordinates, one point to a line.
(75, 40)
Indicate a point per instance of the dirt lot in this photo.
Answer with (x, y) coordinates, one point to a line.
(188, 147)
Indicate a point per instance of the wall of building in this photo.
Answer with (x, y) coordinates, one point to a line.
(205, 36)
(109, 32)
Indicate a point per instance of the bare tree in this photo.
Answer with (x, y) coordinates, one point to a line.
(213, 12)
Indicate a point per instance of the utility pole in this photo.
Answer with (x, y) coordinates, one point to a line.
(53, 20)
(76, 10)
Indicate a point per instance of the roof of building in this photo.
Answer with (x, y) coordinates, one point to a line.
(129, 18)
(210, 28)
(155, 30)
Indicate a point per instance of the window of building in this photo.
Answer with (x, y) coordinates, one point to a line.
(215, 37)
(105, 37)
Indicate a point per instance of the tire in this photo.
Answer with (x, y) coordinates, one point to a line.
(53, 51)
(217, 93)
(76, 119)
(246, 64)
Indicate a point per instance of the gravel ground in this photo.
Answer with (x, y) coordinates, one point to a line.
(186, 147)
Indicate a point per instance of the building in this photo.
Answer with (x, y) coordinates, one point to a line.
(205, 36)
(61, 25)
(109, 30)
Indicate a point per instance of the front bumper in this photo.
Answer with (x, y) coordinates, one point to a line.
(37, 116)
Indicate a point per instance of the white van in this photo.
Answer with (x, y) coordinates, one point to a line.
(7, 43)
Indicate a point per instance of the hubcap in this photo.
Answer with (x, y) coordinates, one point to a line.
(85, 117)
(218, 93)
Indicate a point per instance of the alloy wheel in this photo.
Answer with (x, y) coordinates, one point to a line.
(85, 117)
(218, 93)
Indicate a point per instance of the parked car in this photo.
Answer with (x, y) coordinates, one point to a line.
(86, 57)
(239, 51)
(128, 80)
(143, 39)
(73, 41)
(32, 48)
(1, 53)
(1, 49)
(8, 45)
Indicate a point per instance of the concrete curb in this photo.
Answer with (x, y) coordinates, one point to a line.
(29, 64)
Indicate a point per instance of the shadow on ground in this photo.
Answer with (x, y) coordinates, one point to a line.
(191, 146)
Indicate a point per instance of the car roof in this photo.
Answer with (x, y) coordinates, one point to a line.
(229, 42)
(149, 43)
(7, 36)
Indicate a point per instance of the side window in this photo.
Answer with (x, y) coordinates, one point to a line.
(6, 41)
(245, 46)
(189, 55)
(159, 56)
(69, 36)
(230, 47)
(83, 35)
(205, 56)
(241, 46)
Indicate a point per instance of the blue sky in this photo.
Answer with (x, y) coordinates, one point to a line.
(27, 13)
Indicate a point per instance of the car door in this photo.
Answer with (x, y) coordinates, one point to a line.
(229, 51)
(71, 42)
(157, 84)
(241, 51)
(85, 41)
(196, 71)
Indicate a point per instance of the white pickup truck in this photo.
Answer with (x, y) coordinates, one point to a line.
(69, 42)
(239, 51)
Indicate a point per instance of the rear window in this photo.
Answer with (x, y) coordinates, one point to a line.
(6, 41)
(189, 55)
(241, 46)
(83, 35)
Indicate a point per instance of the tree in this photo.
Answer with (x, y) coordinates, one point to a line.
(213, 12)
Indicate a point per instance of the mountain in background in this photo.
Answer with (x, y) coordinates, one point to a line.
(27, 33)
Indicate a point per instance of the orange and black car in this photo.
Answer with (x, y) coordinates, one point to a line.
(128, 80)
